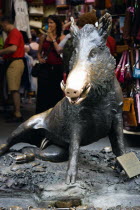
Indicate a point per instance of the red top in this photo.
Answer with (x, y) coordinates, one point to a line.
(49, 51)
(111, 44)
(15, 38)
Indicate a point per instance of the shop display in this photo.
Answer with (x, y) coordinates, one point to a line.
(35, 23)
(36, 11)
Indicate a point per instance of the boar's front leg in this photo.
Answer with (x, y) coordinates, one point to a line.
(73, 155)
(116, 135)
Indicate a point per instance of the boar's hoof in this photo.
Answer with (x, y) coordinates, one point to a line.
(71, 177)
(118, 167)
(3, 148)
(25, 158)
(54, 153)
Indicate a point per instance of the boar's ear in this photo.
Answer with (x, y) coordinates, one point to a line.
(74, 28)
(105, 24)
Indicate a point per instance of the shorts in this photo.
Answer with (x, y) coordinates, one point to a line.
(14, 74)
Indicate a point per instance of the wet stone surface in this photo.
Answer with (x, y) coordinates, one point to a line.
(98, 184)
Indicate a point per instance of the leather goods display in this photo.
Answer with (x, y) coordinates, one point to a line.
(62, 4)
(136, 68)
(36, 10)
(129, 114)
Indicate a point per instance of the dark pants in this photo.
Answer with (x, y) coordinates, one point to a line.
(49, 91)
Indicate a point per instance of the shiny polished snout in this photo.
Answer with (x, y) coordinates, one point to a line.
(72, 93)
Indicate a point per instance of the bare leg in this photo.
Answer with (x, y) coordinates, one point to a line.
(16, 101)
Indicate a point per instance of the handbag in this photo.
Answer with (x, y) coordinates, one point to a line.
(121, 68)
(128, 75)
(137, 96)
(35, 70)
(129, 114)
(136, 69)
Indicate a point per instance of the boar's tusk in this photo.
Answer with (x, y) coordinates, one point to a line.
(63, 86)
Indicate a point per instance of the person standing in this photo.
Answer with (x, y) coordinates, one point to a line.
(13, 54)
(51, 72)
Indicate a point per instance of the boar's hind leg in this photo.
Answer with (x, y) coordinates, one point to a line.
(54, 153)
(116, 135)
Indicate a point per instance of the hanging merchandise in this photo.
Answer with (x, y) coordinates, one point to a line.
(136, 68)
(48, 2)
(121, 67)
(21, 16)
(137, 96)
(76, 2)
(129, 115)
(128, 75)
(62, 4)
(36, 10)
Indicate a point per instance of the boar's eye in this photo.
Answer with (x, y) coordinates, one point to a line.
(92, 53)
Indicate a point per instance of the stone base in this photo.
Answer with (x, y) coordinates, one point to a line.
(98, 184)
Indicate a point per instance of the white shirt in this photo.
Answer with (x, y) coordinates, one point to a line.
(22, 17)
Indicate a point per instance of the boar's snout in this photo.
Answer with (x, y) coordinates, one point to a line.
(77, 85)
(72, 93)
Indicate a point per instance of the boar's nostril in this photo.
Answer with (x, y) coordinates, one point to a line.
(75, 92)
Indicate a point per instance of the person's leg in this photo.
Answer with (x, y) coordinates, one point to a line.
(14, 75)
(16, 101)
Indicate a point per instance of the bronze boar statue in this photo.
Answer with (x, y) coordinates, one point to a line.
(91, 108)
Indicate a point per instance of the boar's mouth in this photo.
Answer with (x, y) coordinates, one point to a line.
(81, 97)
